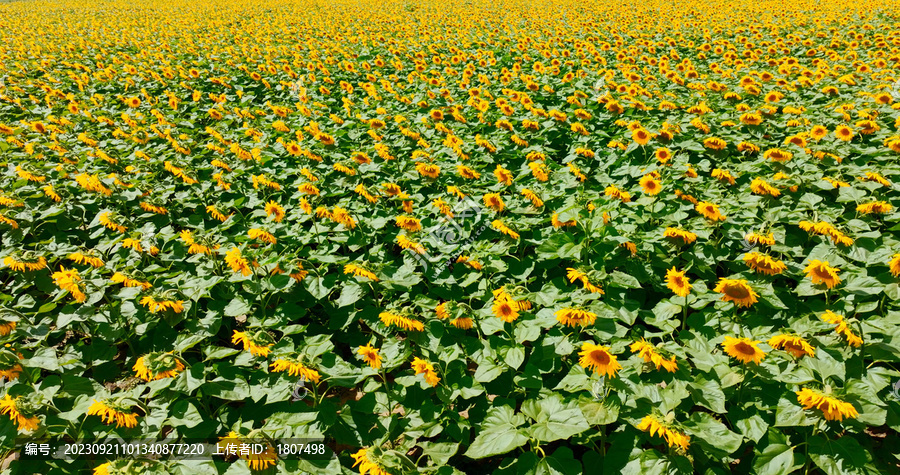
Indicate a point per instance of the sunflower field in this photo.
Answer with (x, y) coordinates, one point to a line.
(465, 236)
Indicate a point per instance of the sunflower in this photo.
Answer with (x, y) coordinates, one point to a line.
(502, 228)
(672, 437)
(359, 271)
(821, 273)
(19, 412)
(764, 264)
(677, 282)
(295, 367)
(641, 136)
(237, 263)
(844, 133)
(68, 280)
(599, 359)
(715, 143)
(759, 239)
(575, 317)
(663, 155)
(737, 291)
(793, 344)
(110, 412)
(743, 350)
(155, 366)
(367, 465)
(710, 211)
(832, 408)
(842, 327)
(256, 461)
(503, 175)
(408, 223)
(262, 235)
(273, 208)
(493, 201)
(894, 264)
(255, 344)
(505, 308)
(686, 237)
(392, 319)
(650, 355)
(421, 366)
(650, 185)
(370, 356)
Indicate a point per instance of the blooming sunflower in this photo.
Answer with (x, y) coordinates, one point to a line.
(737, 291)
(821, 273)
(237, 263)
(650, 185)
(370, 356)
(599, 359)
(743, 350)
(359, 271)
(677, 282)
(832, 408)
(505, 308)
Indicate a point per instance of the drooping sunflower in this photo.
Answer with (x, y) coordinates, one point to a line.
(648, 352)
(153, 366)
(19, 412)
(764, 264)
(598, 359)
(710, 211)
(743, 350)
(737, 291)
(258, 344)
(832, 408)
(295, 367)
(821, 273)
(575, 317)
(672, 437)
(110, 412)
(494, 201)
(406, 323)
(894, 265)
(360, 271)
(793, 344)
(366, 464)
(421, 366)
(686, 237)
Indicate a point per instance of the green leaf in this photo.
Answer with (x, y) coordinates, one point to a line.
(712, 435)
(841, 456)
(498, 433)
(554, 420)
(237, 306)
